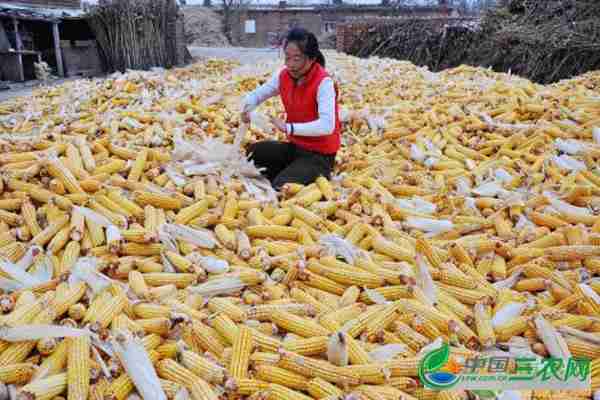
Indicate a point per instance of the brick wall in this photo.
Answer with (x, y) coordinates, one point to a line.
(280, 20)
(273, 21)
(46, 3)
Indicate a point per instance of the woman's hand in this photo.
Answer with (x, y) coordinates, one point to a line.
(245, 117)
(279, 124)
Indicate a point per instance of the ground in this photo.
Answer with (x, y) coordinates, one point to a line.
(244, 55)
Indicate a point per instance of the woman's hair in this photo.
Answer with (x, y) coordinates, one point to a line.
(307, 43)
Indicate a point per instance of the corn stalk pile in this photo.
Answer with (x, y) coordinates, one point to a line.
(135, 34)
(543, 40)
(435, 43)
(143, 257)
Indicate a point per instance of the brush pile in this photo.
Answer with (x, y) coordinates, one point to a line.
(135, 34)
(543, 40)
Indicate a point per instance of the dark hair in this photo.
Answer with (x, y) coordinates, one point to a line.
(307, 43)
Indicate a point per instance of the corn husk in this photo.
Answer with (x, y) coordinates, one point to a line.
(339, 247)
(86, 270)
(198, 237)
(337, 349)
(554, 342)
(425, 281)
(138, 366)
(507, 313)
(387, 352)
(36, 332)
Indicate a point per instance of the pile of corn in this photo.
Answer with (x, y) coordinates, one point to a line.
(464, 207)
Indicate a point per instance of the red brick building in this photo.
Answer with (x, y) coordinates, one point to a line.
(261, 26)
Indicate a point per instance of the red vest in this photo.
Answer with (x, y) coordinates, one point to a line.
(300, 103)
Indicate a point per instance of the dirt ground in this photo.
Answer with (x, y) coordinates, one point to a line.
(243, 55)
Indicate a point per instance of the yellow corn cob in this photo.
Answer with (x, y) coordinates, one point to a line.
(202, 367)
(379, 322)
(303, 297)
(458, 308)
(26, 313)
(226, 236)
(125, 203)
(242, 348)
(320, 282)
(409, 336)
(180, 280)
(138, 284)
(460, 254)
(117, 219)
(356, 352)
(425, 248)
(112, 206)
(50, 231)
(191, 212)
(483, 325)
(219, 305)
(172, 371)
(276, 391)
(47, 388)
(206, 340)
(513, 328)
(157, 200)
(466, 296)
(157, 326)
(307, 347)
(270, 231)
(582, 348)
(301, 326)
(78, 372)
(325, 188)
(291, 380)
(231, 208)
(313, 368)
(247, 387)
(200, 390)
(319, 388)
(110, 310)
(56, 169)
(59, 240)
(70, 256)
(139, 166)
(17, 373)
(344, 274)
(389, 248)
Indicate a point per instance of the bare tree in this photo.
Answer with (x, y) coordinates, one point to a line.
(482, 5)
(232, 10)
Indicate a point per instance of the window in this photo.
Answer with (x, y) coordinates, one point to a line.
(329, 27)
(250, 26)
(293, 23)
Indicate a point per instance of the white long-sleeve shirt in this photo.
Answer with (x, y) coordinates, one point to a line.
(324, 125)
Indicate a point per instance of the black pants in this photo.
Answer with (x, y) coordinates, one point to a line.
(287, 163)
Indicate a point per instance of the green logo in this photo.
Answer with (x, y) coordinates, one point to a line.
(439, 370)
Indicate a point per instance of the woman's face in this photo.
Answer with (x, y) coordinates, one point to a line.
(295, 61)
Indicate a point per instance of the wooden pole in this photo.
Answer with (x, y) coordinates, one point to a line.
(19, 48)
(59, 60)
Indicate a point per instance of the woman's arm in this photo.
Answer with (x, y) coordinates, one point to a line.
(261, 93)
(325, 125)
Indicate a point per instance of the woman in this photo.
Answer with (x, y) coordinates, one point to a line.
(312, 121)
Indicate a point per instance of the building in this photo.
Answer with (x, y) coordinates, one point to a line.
(53, 31)
(264, 26)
